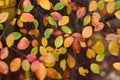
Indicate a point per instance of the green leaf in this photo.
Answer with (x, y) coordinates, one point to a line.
(36, 24)
(95, 68)
(100, 57)
(27, 74)
(117, 4)
(58, 41)
(1, 27)
(101, 5)
(28, 8)
(66, 29)
(52, 21)
(16, 35)
(62, 50)
(34, 50)
(25, 65)
(56, 56)
(48, 32)
(10, 40)
(59, 6)
(63, 64)
(99, 47)
(69, 10)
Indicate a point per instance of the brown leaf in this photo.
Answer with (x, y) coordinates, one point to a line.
(81, 12)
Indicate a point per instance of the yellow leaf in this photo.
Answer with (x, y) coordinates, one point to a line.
(113, 48)
(117, 14)
(108, 0)
(116, 65)
(70, 61)
(3, 16)
(44, 41)
(93, 5)
(86, 20)
(83, 71)
(63, 21)
(87, 32)
(65, 1)
(42, 50)
(10, 40)
(45, 4)
(110, 7)
(90, 53)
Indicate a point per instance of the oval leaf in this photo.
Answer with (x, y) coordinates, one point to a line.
(3, 16)
(66, 29)
(25, 65)
(58, 41)
(68, 41)
(3, 68)
(70, 61)
(95, 68)
(63, 21)
(59, 6)
(87, 32)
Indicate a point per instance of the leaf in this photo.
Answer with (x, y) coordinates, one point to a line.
(108, 0)
(41, 72)
(27, 17)
(56, 33)
(2, 3)
(58, 41)
(27, 74)
(23, 43)
(31, 57)
(25, 65)
(110, 7)
(52, 21)
(1, 45)
(101, 5)
(35, 66)
(95, 68)
(93, 5)
(45, 4)
(99, 47)
(52, 73)
(36, 24)
(66, 29)
(87, 32)
(49, 48)
(90, 53)
(28, 8)
(15, 64)
(48, 32)
(70, 61)
(117, 14)
(44, 41)
(42, 50)
(34, 51)
(3, 68)
(69, 10)
(116, 65)
(10, 40)
(63, 21)
(99, 27)
(86, 20)
(111, 37)
(56, 16)
(16, 35)
(59, 6)
(100, 57)
(3, 16)
(117, 5)
(26, 3)
(34, 43)
(68, 41)
(83, 71)
(81, 12)
(1, 27)
(63, 64)
(65, 1)
(62, 50)
(113, 48)
(4, 53)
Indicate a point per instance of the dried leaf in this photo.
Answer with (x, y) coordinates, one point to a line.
(113, 48)
(99, 27)
(63, 21)
(93, 5)
(116, 65)
(83, 71)
(110, 7)
(90, 53)
(58, 41)
(81, 12)
(3, 68)
(68, 41)
(15, 64)
(87, 32)
(95, 68)
(4, 53)
(45, 4)
(86, 20)
(25, 65)
(117, 14)
(70, 61)
(10, 40)
(3, 16)
(59, 6)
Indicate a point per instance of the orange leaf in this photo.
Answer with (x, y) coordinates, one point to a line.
(99, 27)
(93, 6)
(87, 32)
(110, 7)
(15, 64)
(81, 12)
(4, 53)
(116, 65)
(68, 41)
(35, 66)
(3, 68)
(63, 21)
(70, 61)
(27, 17)
(117, 14)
